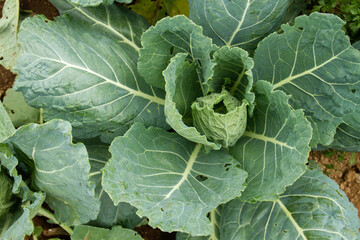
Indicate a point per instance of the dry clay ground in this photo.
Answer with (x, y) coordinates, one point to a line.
(344, 168)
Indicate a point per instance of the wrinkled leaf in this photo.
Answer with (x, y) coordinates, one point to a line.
(169, 37)
(93, 233)
(65, 71)
(6, 127)
(169, 179)
(314, 62)
(223, 124)
(15, 225)
(313, 208)
(18, 110)
(9, 48)
(238, 23)
(181, 91)
(153, 11)
(61, 170)
(274, 148)
(109, 215)
(233, 71)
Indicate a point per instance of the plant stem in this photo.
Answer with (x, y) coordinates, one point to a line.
(43, 212)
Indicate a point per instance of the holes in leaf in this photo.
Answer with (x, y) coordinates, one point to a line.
(46, 21)
(285, 231)
(220, 108)
(353, 90)
(1, 58)
(162, 209)
(275, 224)
(12, 111)
(201, 178)
(172, 50)
(301, 28)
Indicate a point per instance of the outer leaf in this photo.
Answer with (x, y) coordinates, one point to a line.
(182, 89)
(117, 21)
(9, 48)
(93, 233)
(17, 224)
(169, 37)
(86, 3)
(169, 179)
(274, 148)
(313, 208)
(61, 170)
(6, 127)
(356, 45)
(238, 23)
(233, 70)
(346, 139)
(18, 110)
(314, 62)
(68, 73)
(153, 11)
(109, 215)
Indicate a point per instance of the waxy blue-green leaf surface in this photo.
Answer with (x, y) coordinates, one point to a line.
(9, 47)
(109, 215)
(312, 208)
(6, 126)
(182, 89)
(96, 87)
(167, 38)
(346, 139)
(61, 170)
(241, 23)
(314, 62)
(169, 179)
(117, 21)
(93, 233)
(274, 148)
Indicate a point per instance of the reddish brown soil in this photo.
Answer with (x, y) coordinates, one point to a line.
(7, 79)
(148, 233)
(344, 168)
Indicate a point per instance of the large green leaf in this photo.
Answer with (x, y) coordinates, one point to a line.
(238, 23)
(169, 37)
(61, 170)
(117, 21)
(169, 179)
(94, 86)
(109, 215)
(18, 110)
(182, 90)
(6, 126)
(312, 208)
(314, 62)
(9, 48)
(5, 193)
(16, 224)
(274, 148)
(93, 233)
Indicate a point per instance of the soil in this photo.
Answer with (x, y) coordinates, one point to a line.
(344, 168)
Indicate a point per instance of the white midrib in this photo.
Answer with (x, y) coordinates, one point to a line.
(187, 171)
(266, 139)
(290, 78)
(240, 24)
(288, 214)
(213, 224)
(130, 90)
(127, 41)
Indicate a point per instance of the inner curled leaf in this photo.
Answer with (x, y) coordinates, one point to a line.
(220, 117)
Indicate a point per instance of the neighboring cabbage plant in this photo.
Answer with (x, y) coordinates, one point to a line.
(200, 125)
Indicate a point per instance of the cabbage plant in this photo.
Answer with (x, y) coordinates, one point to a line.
(200, 125)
